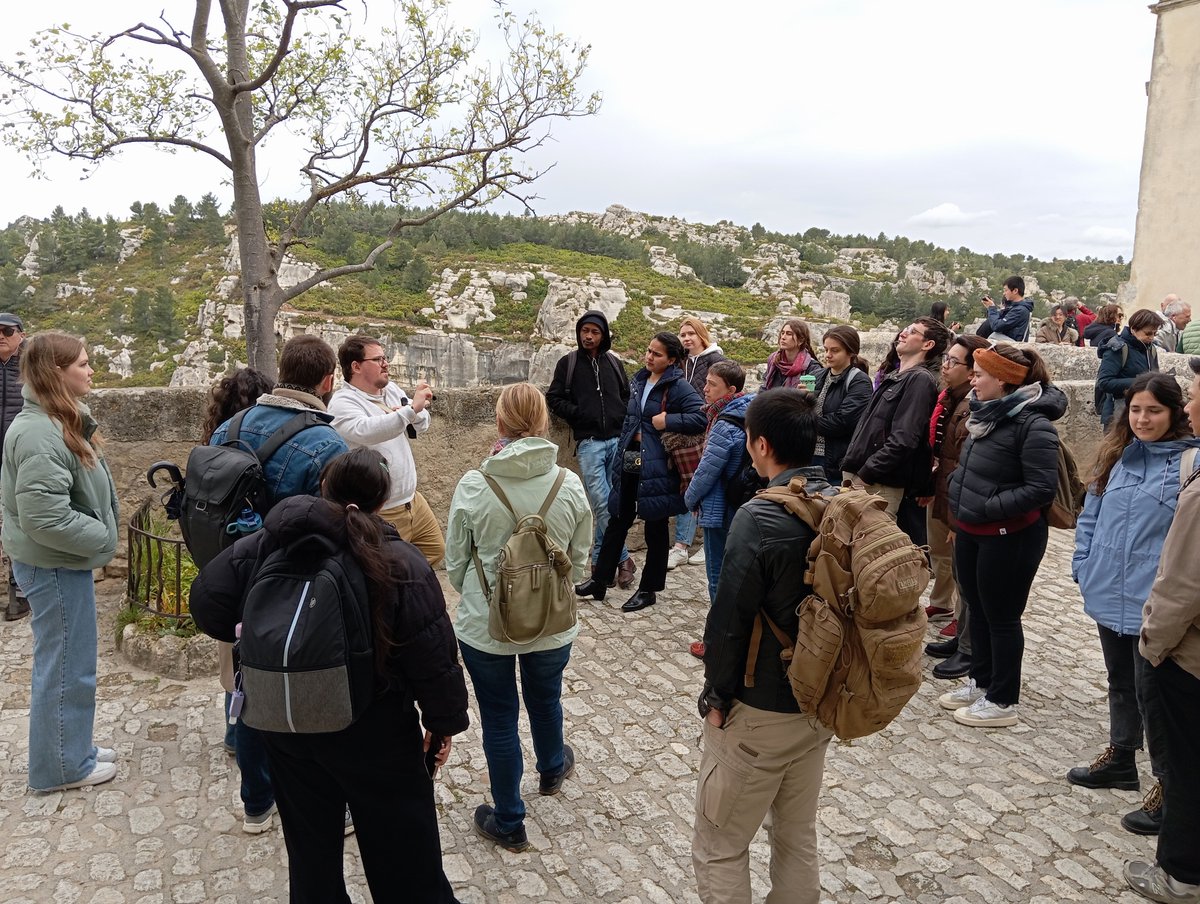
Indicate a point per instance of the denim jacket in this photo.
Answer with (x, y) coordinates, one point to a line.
(295, 470)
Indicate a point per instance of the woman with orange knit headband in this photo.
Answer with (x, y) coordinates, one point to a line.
(1007, 474)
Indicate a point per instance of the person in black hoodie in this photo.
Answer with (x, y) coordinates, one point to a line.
(1122, 359)
(12, 337)
(590, 391)
(843, 390)
(1007, 475)
(377, 764)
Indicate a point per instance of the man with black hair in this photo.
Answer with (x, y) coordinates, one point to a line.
(1008, 321)
(761, 754)
(890, 453)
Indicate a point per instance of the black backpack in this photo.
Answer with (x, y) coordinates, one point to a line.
(745, 482)
(221, 481)
(306, 653)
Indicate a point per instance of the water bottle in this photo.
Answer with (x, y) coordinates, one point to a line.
(248, 522)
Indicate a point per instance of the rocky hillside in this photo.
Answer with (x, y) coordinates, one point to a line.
(478, 299)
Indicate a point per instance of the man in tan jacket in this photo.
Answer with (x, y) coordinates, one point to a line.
(1171, 643)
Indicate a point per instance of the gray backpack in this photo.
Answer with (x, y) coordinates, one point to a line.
(532, 597)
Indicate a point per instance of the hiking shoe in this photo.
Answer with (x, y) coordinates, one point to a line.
(697, 649)
(625, 572)
(983, 713)
(1147, 820)
(697, 558)
(951, 630)
(256, 825)
(551, 782)
(1151, 881)
(676, 557)
(105, 755)
(349, 830)
(938, 614)
(1114, 768)
(101, 772)
(485, 825)
(963, 697)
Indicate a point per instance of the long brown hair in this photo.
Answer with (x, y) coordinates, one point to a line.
(802, 333)
(847, 337)
(1167, 393)
(42, 361)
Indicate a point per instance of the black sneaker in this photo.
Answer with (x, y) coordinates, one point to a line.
(1114, 768)
(485, 825)
(551, 782)
(1147, 820)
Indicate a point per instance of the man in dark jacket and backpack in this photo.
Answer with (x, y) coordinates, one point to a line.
(590, 391)
(761, 754)
(889, 453)
(12, 336)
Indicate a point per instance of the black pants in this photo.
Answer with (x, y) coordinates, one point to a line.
(1178, 693)
(1131, 715)
(995, 575)
(377, 767)
(654, 571)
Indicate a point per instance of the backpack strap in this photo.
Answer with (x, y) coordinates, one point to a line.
(499, 491)
(235, 426)
(756, 639)
(275, 441)
(572, 360)
(1187, 468)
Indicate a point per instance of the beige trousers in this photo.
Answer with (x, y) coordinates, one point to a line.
(416, 523)
(760, 765)
(944, 594)
(893, 496)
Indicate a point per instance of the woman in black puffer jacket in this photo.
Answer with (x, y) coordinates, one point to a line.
(843, 390)
(1007, 475)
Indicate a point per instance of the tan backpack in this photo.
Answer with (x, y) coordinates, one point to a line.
(532, 597)
(856, 661)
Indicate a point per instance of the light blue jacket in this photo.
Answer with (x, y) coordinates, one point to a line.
(722, 453)
(1119, 535)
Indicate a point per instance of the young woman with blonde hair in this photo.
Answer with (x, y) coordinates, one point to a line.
(60, 523)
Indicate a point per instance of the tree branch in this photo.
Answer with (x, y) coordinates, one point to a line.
(294, 8)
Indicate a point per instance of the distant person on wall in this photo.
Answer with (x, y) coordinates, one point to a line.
(889, 452)
(702, 353)
(793, 359)
(1123, 358)
(1079, 318)
(1175, 316)
(1054, 330)
(1008, 321)
(1106, 325)
(370, 410)
(12, 335)
(1189, 339)
(590, 391)
(843, 390)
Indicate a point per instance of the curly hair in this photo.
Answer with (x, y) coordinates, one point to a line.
(231, 394)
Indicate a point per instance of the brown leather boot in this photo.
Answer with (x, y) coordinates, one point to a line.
(625, 572)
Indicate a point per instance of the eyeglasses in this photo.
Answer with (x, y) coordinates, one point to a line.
(912, 331)
(378, 359)
(948, 363)
(8, 331)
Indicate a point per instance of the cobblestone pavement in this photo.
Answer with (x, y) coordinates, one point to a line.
(926, 811)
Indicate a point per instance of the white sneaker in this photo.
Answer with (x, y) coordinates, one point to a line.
(349, 830)
(105, 755)
(964, 696)
(101, 772)
(676, 557)
(697, 558)
(983, 713)
(254, 825)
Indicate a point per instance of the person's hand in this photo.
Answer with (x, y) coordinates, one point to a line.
(659, 421)
(987, 301)
(422, 396)
(956, 327)
(715, 718)
(443, 755)
(923, 501)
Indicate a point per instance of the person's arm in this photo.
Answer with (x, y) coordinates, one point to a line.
(580, 547)
(909, 429)
(1174, 603)
(1039, 468)
(1085, 529)
(1108, 375)
(353, 422)
(717, 451)
(43, 504)
(559, 396)
(459, 536)
(842, 420)
(218, 592)
(685, 409)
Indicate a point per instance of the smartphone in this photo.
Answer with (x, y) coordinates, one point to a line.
(435, 747)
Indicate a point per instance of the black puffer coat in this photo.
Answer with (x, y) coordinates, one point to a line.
(424, 661)
(658, 487)
(847, 398)
(1014, 469)
(11, 400)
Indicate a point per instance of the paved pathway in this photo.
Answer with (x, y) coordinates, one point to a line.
(927, 811)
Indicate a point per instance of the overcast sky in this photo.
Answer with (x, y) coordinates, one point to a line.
(1002, 125)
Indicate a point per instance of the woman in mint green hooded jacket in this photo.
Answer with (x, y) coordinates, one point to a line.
(60, 523)
(524, 464)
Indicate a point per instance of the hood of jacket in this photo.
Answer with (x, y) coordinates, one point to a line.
(1096, 328)
(597, 318)
(523, 458)
(1052, 403)
(1126, 336)
(296, 517)
(713, 349)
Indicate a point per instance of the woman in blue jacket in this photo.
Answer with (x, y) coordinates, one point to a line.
(1126, 515)
(660, 400)
(1122, 359)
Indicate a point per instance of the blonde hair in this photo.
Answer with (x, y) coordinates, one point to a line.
(521, 411)
(701, 330)
(42, 361)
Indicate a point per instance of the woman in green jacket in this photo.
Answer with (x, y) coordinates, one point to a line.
(524, 465)
(60, 523)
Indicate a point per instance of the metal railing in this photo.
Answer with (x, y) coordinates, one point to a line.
(156, 567)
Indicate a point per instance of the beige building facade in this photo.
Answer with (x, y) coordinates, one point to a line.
(1166, 251)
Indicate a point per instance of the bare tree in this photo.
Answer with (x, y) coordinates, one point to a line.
(407, 113)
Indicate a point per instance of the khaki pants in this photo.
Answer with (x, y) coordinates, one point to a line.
(416, 523)
(893, 496)
(944, 594)
(760, 765)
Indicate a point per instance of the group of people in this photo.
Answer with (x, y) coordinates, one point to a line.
(954, 433)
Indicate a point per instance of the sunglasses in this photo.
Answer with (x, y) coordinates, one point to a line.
(8, 331)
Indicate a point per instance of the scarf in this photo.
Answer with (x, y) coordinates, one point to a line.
(791, 370)
(946, 403)
(986, 415)
(500, 444)
(713, 410)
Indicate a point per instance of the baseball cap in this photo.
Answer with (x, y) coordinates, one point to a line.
(12, 320)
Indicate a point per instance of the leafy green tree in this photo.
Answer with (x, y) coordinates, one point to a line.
(411, 112)
(758, 232)
(141, 314)
(181, 216)
(211, 223)
(416, 277)
(162, 314)
(12, 288)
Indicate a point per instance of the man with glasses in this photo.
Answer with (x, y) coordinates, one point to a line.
(370, 410)
(12, 335)
(890, 451)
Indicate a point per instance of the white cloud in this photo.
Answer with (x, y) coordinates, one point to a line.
(948, 214)
(1108, 235)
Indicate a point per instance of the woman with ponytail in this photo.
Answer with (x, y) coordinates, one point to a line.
(843, 390)
(60, 523)
(376, 766)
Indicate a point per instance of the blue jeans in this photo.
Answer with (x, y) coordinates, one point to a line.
(251, 754)
(685, 529)
(494, 680)
(714, 552)
(62, 702)
(597, 458)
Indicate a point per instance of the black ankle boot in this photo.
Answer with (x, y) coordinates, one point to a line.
(639, 600)
(957, 666)
(1148, 819)
(1114, 768)
(942, 650)
(591, 587)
